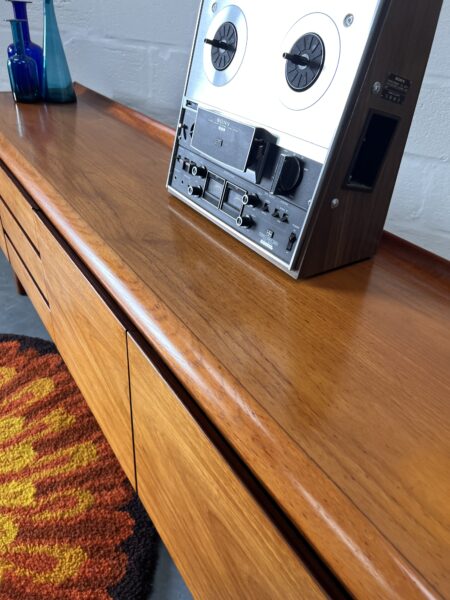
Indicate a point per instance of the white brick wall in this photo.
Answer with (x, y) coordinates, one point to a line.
(134, 52)
(420, 210)
(137, 53)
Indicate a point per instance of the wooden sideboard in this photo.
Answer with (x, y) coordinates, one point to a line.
(289, 439)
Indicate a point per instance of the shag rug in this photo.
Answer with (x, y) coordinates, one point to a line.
(71, 526)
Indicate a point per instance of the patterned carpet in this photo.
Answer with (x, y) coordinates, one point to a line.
(71, 527)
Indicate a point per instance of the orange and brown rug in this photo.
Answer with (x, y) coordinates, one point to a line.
(71, 527)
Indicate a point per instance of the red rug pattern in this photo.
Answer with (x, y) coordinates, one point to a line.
(71, 527)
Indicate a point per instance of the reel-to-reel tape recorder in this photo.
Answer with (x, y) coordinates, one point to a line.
(294, 121)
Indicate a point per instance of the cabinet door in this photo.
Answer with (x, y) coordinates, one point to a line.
(223, 542)
(39, 301)
(24, 248)
(92, 342)
(20, 206)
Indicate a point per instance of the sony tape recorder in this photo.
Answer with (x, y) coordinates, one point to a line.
(294, 121)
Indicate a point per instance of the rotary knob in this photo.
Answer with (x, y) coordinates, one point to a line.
(195, 190)
(288, 175)
(199, 171)
(250, 200)
(244, 221)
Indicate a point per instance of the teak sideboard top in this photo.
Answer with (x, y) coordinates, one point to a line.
(334, 391)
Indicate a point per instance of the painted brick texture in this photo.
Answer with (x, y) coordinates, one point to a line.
(137, 53)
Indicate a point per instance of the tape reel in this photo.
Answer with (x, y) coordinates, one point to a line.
(326, 29)
(230, 14)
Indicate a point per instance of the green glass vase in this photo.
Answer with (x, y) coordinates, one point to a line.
(57, 82)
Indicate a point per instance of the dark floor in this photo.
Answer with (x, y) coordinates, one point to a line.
(18, 316)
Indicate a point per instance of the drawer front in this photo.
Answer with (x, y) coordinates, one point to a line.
(35, 295)
(19, 206)
(221, 539)
(92, 343)
(25, 249)
(2, 239)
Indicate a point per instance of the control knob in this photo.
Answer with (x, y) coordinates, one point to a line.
(288, 175)
(199, 171)
(195, 190)
(250, 200)
(244, 221)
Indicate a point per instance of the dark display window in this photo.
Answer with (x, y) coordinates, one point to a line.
(371, 152)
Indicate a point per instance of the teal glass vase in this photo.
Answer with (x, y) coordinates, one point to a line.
(22, 69)
(57, 82)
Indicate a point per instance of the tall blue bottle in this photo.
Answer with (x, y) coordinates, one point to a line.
(57, 82)
(22, 69)
(31, 49)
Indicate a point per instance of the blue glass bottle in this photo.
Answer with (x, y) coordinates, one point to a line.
(31, 49)
(57, 82)
(22, 69)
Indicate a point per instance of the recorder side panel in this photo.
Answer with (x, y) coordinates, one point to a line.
(347, 219)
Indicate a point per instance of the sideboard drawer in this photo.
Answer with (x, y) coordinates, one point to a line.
(19, 206)
(223, 542)
(24, 247)
(34, 293)
(92, 342)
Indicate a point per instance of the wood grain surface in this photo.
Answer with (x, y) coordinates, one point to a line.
(222, 542)
(27, 284)
(334, 391)
(24, 247)
(92, 343)
(158, 131)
